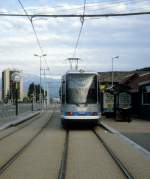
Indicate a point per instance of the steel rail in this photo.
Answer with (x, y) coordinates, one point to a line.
(32, 119)
(18, 153)
(115, 158)
(102, 126)
(63, 165)
(74, 15)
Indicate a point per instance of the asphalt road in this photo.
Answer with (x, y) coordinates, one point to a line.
(142, 139)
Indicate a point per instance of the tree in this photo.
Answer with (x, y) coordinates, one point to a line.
(34, 90)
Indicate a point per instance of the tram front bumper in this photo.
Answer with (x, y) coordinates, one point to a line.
(81, 117)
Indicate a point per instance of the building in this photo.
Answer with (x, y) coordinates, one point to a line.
(140, 93)
(9, 86)
(107, 99)
(131, 89)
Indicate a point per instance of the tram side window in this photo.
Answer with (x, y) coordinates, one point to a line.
(63, 92)
(92, 94)
(146, 95)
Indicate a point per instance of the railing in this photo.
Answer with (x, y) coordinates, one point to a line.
(8, 110)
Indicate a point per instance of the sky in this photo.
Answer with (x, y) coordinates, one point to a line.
(101, 39)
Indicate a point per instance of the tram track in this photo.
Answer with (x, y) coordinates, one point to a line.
(16, 155)
(63, 165)
(122, 167)
(64, 159)
(21, 126)
(76, 142)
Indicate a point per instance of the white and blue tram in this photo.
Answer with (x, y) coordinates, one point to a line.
(79, 94)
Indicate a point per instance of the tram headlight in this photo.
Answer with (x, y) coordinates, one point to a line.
(94, 113)
(69, 113)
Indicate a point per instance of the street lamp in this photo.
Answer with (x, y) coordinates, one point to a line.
(115, 57)
(16, 78)
(40, 56)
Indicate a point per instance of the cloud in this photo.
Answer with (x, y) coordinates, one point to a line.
(100, 39)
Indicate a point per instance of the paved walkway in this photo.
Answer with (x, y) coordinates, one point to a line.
(17, 119)
(137, 130)
(136, 161)
(137, 126)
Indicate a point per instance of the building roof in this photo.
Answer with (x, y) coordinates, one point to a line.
(136, 80)
(118, 76)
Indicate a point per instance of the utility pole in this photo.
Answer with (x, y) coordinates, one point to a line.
(112, 76)
(40, 57)
(16, 98)
(16, 78)
(44, 73)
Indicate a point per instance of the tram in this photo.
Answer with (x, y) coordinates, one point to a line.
(79, 93)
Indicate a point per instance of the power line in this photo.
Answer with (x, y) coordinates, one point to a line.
(35, 33)
(30, 19)
(75, 15)
(96, 5)
(82, 22)
(88, 5)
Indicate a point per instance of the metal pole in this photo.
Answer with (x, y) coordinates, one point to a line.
(113, 69)
(112, 73)
(44, 89)
(40, 81)
(77, 64)
(16, 99)
(47, 97)
(32, 102)
(70, 64)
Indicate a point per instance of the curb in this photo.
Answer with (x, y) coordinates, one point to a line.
(17, 121)
(129, 141)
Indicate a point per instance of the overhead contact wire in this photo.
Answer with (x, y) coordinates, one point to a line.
(80, 31)
(35, 33)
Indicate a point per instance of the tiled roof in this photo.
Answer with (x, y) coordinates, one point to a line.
(118, 76)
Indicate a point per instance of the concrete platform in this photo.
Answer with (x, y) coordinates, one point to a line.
(138, 131)
(136, 161)
(9, 146)
(19, 119)
(136, 125)
(41, 160)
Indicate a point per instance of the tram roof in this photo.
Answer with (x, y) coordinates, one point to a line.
(81, 72)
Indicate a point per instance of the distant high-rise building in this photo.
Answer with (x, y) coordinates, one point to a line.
(9, 86)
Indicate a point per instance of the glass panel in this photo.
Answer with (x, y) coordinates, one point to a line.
(147, 88)
(146, 98)
(81, 88)
(63, 92)
(146, 95)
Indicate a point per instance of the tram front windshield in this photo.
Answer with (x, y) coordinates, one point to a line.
(81, 89)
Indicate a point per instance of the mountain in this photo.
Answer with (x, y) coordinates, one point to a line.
(52, 84)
